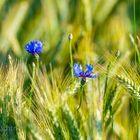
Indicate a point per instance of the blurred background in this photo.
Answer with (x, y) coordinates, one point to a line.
(106, 33)
(97, 26)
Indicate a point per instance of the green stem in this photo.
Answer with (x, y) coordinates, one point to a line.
(35, 71)
(4, 120)
(137, 53)
(71, 62)
(134, 18)
(134, 28)
(37, 62)
(111, 116)
(106, 80)
(81, 96)
(5, 117)
(33, 77)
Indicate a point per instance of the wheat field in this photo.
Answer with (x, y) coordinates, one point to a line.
(42, 98)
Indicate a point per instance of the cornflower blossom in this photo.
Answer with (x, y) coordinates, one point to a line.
(78, 71)
(34, 47)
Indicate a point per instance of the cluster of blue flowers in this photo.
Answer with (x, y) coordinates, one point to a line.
(35, 47)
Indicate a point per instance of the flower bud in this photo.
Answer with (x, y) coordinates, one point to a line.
(70, 36)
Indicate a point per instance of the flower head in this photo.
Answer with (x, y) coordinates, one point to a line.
(34, 47)
(78, 71)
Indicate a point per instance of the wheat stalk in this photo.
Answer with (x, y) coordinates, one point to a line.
(132, 87)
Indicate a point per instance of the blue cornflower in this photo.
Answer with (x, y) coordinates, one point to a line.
(78, 71)
(34, 47)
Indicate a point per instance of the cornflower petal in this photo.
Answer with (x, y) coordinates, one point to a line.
(93, 76)
(89, 69)
(77, 69)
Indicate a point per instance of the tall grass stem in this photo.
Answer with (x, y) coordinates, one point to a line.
(71, 58)
(137, 52)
